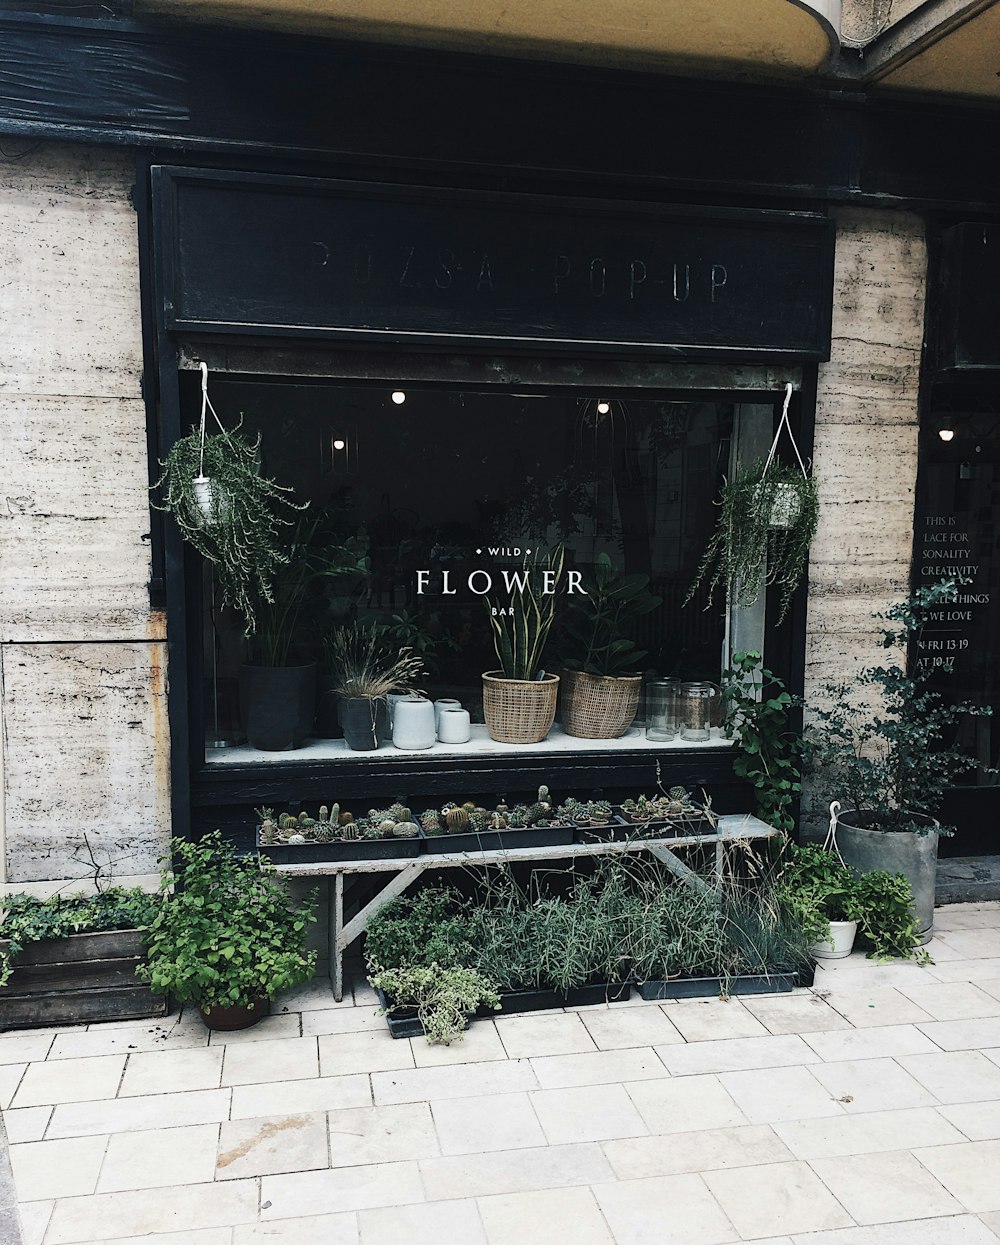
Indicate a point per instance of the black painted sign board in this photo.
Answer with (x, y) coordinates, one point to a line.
(969, 318)
(264, 254)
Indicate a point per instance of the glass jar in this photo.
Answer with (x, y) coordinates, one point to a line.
(661, 709)
(696, 702)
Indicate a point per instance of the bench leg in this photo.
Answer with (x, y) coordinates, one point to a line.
(335, 928)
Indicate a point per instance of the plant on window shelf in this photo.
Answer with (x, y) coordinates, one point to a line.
(367, 668)
(600, 691)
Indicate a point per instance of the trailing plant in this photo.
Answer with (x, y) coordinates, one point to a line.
(894, 764)
(598, 622)
(226, 932)
(769, 753)
(365, 664)
(522, 623)
(426, 928)
(747, 551)
(444, 997)
(27, 919)
(887, 920)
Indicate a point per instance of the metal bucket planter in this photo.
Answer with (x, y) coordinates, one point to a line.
(896, 851)
(519, 711)
(278, 705)
(599, 706)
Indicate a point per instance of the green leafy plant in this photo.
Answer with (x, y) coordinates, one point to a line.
(27, 919)
(405, 631)
(895, 763)
(521, 624)
(444, 997)
(226, 933)
(365, 664)
(597, 623)
(426, 928)
(887, 920)
(747, 551)
(769, 753)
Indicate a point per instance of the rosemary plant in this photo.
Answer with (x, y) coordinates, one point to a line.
(521, 624)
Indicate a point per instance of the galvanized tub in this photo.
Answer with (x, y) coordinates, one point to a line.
(914, 855)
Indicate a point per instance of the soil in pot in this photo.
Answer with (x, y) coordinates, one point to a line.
(277, 705)
(365, 722)
(239, 1016)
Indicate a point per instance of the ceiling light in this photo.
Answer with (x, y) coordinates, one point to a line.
(603, 407)
(398, 396)
(946, 434)
(340, 444)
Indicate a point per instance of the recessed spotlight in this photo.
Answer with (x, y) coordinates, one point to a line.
(339, 444)
(946, 434)
(398, 396)
(603, 407)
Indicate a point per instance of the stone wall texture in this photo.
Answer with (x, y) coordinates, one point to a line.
(85, 749)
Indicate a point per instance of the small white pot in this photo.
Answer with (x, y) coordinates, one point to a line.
(444, 703)
(840, 944)
(211, 499)
(785, 507)
(454, 726)
(413, 723)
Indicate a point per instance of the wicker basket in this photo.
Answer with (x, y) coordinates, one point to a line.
(519, 711)
(599, 706)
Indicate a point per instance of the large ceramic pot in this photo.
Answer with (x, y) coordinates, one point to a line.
(914, 855)
(519, 711)
(599, 706)
(365, 722)
(277, 705)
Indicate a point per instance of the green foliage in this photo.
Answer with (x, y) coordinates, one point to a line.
(896, 762)
(27, 919)
(365, 663)
(887, 920)
(243, 537)
(444, 997)
(225, 932)
(768, 757)
(520, 635)
(598, 622)
(405, 631)
(426, 928)
(745, 552)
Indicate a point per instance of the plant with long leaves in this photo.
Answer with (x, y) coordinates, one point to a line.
(600, 617)
(365, 664)
(522, 623)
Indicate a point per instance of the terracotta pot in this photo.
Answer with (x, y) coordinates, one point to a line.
(238, 1016)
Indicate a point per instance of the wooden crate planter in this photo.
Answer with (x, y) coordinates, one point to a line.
(75, 980)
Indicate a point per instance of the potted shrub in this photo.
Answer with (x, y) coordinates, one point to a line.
(226, 936)
(366, 670)
(438, 1001)
(599, 699)
(888, 770)
(519, 699)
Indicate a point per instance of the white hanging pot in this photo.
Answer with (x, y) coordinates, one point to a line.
(840, 943)
(785, 507)
(211, 500)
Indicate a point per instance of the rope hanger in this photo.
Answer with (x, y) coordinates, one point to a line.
(783, 422)
(206, 405)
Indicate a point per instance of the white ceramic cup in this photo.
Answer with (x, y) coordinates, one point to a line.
(413, 723)
(454, 726)
(444, 703)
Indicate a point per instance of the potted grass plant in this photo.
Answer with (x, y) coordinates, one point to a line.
(366, 670)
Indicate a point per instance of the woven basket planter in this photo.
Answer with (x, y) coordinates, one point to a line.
(599, 706)
(519, 711)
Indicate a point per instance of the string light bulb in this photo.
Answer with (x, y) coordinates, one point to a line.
(603, 407)
(339, 444)
(946, 434)
(398, 396)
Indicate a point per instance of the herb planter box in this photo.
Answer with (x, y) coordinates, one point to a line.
(338, 849)
(710, 987)
(404, 1022)
(500, 840)
(514, 1001)
(599, 992)
(75, 980)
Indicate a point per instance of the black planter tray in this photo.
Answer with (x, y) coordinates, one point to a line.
(352, 849)
(409, 1025)
(710, 987)
(499, 840)
(599, 992)
(620, 828)
(514, 1001)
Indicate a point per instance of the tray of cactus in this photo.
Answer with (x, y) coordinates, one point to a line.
(470, 828)
(673, 812)
(592, 819)
(335, 834)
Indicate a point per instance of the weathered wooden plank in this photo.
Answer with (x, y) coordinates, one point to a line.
(103, 945)
(85, 975)
(71, 1007)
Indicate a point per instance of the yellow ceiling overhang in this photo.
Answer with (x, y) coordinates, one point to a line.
(753, 37)
(959, 59)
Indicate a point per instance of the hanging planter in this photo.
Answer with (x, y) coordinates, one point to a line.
(767, 519)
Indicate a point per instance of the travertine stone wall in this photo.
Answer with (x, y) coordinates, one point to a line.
(85, 746)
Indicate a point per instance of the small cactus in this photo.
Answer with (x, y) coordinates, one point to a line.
(469, 806)
(435, 831)
(456, 820)
(406, 830)
(536, 812)
(430, 821)
(479, 820)
(343, 819)
(296, 840)
(324, 834)
(350, 832)
(517, 817)
(267, 832)
(387, 827)
(286, 821)
(334, 815)
(543, 795)
(398, 812)
(324, 813)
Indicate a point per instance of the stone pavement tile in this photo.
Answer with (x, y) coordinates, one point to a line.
(344, 1188)
(966, 970)
(107, 1216)
(558, 1033)
(460, 1081)
(26, 1123)
(590, 1113)
(867, 1134)
(992, 1222)
(10, 1078)
(953, 1000)
(979, 1121)
(270, 1145)
(121, 1115)
(325, 1093)
(955, 1076)
(162, 1072)
(544, 1215)
(199, 1236)
(382, 1134)
(284, 1059)
(164, 1156)
(859, 973)
(495, 1122)
(864, 1085)
(964, 1034)
(315, 995)
(598, 1068)
(341, 1019)
(973, 944)
(802, 1012)
(775, 1094)
(155, 1035)
(24, 1047)
(984, 914)
(266, 1030)
(364, 995)
(34, 1218)
(710, 1020)
(51, 1169)
(426, 1224)
(990, 986)
(880, 1188)
(70, 1080)
(866, 1008)
(615, 1028)
(514, 1171)
(737, 1054)
(371, 1050)
(951, 1230)
(683, 1104)
(634, 1158)
(969, 1171)
(877, 1043)
(776, 1198)
(311, 1230)
(670, 1210)
(480, 1044)
(992, 1055)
